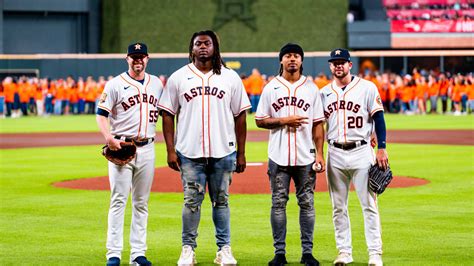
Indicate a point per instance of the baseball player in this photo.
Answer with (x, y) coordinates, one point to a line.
(352, 107)
(290, 106)
(129, 105)
(210, 102)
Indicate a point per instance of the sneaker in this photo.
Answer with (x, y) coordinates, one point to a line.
(375, 260)
(114, 261)
(343, 258)
(308, 260)
(141, 261)
(188, 257)
(224, 257)
(278, 260)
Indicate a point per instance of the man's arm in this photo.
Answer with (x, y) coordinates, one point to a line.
(380, 130)
(103, 123)
(294, 121)
(168, 134)
(241, 135)
(318, 138)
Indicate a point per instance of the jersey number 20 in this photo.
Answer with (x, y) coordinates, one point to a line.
(354, 122)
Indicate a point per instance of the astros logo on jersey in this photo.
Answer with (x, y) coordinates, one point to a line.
(334, 106)
(290, 101)
(198, 91)
(135, 99)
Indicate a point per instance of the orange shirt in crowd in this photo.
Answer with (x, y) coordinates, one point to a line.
(73, 95)
(60, 93)
(9, 90)
(433, 90)
(246, 85)
(421, 90)
(23, 92)
(470, 91)
(321, 81)
(255, 84)
(407, 93)
(443, 87)
(457, 92)
(392, 92)
(39, 93)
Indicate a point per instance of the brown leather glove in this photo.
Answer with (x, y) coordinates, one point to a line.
(120, 157)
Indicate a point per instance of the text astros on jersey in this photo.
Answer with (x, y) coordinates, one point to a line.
(349, 112)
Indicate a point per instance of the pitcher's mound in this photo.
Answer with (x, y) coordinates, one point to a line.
(253, 181)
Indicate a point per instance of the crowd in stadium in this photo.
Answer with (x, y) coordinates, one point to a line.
(417, 93)
(429, 10)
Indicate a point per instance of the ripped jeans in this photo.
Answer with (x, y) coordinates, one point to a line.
(217, 173)
(305, 180)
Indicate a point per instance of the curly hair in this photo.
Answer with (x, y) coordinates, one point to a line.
(216, 60)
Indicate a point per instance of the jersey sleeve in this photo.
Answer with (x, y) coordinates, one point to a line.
(109, 97)
(374, 101)
(318, 111)
(240, 101)
(263, 108)
(169, 100)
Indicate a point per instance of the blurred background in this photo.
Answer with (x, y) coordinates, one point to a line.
(56, 56)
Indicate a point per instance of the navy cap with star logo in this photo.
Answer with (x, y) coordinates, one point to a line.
(137, 48)
(339, 54)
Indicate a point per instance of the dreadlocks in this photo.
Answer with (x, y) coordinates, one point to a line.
(217, 61)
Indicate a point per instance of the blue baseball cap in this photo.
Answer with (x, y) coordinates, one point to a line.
(137, 48)
(340, 54)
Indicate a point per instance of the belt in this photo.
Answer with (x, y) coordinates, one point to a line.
(138, 143)
(349, 145)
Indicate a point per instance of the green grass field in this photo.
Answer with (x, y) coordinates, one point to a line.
(86, 123)
(44, 225)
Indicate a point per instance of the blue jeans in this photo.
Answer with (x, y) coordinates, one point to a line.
(217, 174)
(305, 180)
(254, 99)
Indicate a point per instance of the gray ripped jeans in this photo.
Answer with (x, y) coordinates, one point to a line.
(305, 180)
(216, 173)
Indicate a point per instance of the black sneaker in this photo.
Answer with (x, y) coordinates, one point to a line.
(308, 260)
(141, 261)
(114, 261)
(278, 260)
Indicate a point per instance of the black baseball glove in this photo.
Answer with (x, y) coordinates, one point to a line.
(120, 157)
(379, 179)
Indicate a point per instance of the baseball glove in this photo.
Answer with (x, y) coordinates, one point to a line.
(379, 179)
(120, 157)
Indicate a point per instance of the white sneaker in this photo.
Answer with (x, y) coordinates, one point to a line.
(188, 257)
(375, 260)
(224, 257)
(343, 258)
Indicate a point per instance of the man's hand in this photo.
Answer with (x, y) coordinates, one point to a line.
(173, 161)
(320, 161)
(382, 158)
(241, 163)
(294, 121)
(114, 144)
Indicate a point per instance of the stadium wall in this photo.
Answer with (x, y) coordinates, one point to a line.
(243, 25)
(401, 62)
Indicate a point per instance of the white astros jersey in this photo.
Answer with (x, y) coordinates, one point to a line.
(289, 146)
(349, 112)
(133, 107)
(206, 105)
